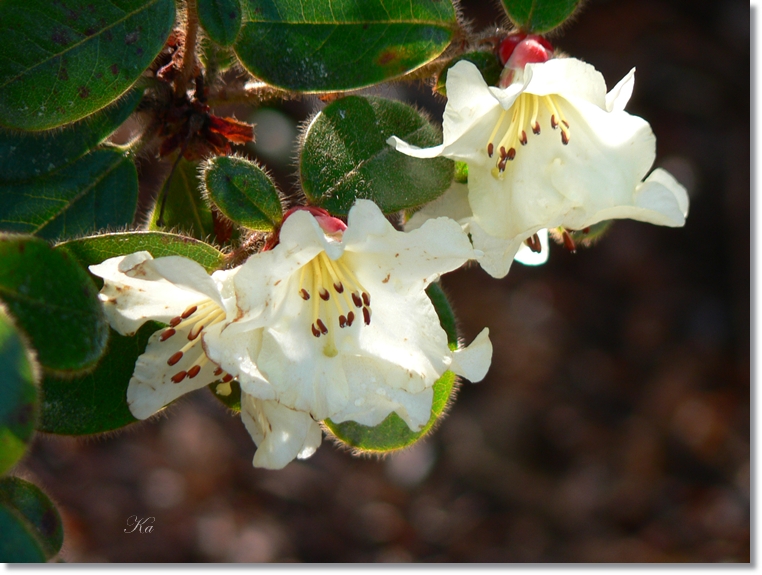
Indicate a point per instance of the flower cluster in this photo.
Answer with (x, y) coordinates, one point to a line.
(548, 149)
(333, 322)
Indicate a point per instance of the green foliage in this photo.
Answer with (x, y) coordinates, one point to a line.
(233, 399)
(221, 19)
(331, 45)
(18, 394)
(345, 157)
(100, 190)
(95, 249)
(30, 155)
(54, 302)
(243, 192)
(461, 172)
(30, 524)
(487, 63)
(393, 433)
(62, 61)
(539, 16)
(185, 209)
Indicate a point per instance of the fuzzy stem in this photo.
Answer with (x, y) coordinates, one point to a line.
(189, 47)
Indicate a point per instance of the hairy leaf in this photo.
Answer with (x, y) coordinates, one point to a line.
(54, 302)
(243, 192)
(61, 61)
(539, 16)
(18, 394)
(221, 19)
(32, 521)
(330, 45)
(345, 157)
(29, 155)
(100, 190)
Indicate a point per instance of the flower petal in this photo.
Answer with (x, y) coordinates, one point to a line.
(620, 94)
(281, 434)
(138, 288)
(473, 361)
(568, 77)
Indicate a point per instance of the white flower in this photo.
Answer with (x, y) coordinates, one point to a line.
(552, 149)
(496, 253)
(178, 291)
(336, 323)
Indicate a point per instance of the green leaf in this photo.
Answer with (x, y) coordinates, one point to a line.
(62, 61)
(461, 172)
(243, 192)
(221, 19)
(54, 302)
(27, 506)
(333, 45)
(185, 209)
(539, 16)
(393, 433)
(100, 190)
(95, 249)
(18, 394)
(228, 393)
(345, 157)
(97, 401)
(487, 63)
(28, 155)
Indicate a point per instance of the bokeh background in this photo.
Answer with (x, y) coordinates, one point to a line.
(614, 424)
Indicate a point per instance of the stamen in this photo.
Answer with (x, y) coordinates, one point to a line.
(192, 336)
(569, 242)
(350, 318)
(167, 334)
(553, 122)
(174, 321)
(179, 376)
(194, 371)
(189, 312)
(305, 294)
(315, 331)
(227, 378)
(490, 149)
(342, 321)
(366, 298)
(564, 138)
(356, 299)
(534, 244)
(324, 294)
(511, 154)
(321, 325)
(339, 287)
(174, 358)
(535, 109)
(366, 315)
(494, 132)
(523, 138)
(218, 371)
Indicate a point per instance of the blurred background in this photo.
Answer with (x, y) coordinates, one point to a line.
(614, 424)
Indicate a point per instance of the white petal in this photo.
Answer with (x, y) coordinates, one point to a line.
(620, 94)
(151, 386)
(473, 361)
(452, 204)
(281, 434)
(569, 78)
(137, 288)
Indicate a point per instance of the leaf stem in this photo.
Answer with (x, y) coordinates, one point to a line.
(189, 48)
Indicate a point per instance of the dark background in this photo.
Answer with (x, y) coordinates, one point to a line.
(614, 423)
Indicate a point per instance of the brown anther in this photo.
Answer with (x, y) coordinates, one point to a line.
(193, 371)
(490, 149)
(321, 326)
(192, 336)
(523, 138)
(534, 244)
(569, 242)
(503, 153)
(511, 154)
(174, 358)
(324, 295)
(553, 122)
(356, 299)
(179, 376)
(536, 128)
(227, 378)
(565, 123)
(366, 315)
(175, 321)
(501, 164)
(342, 321)
(339, 287)
(167, 334)
(189, 312)
(350, 318)
(305, 294)
(366, 298)
(315, 331)
(218, 371)
(564, 137)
